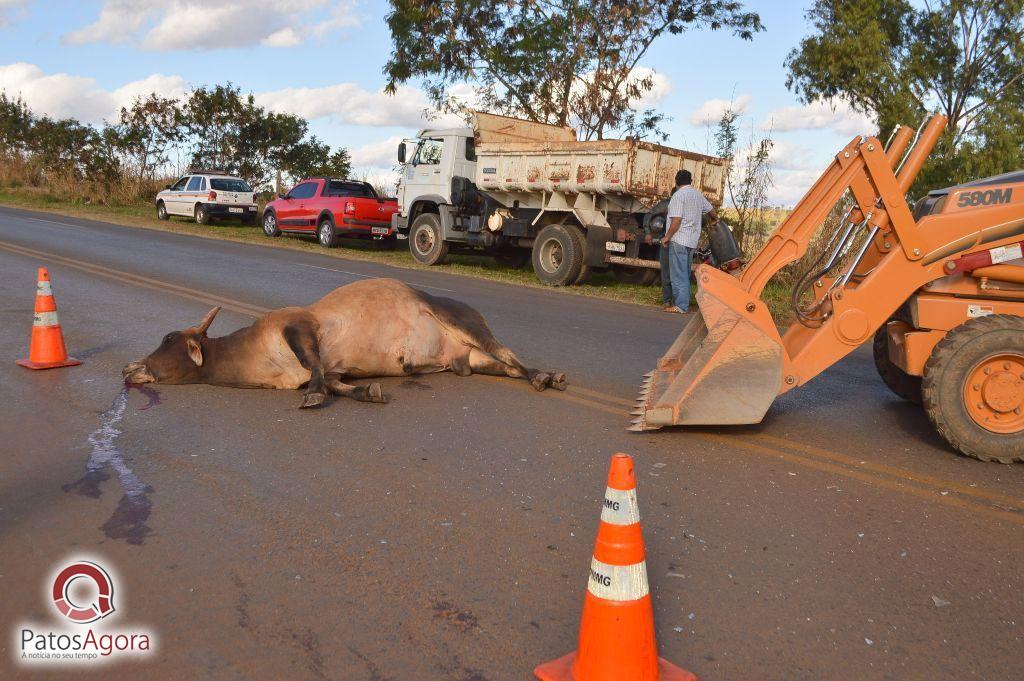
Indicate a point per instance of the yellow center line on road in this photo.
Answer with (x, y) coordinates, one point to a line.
(919, 485)
(138, 280)
(895, 485)
(920, 478)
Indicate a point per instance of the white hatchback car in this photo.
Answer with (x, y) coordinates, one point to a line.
(205, 196)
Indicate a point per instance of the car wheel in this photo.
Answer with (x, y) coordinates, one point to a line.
(326, 234)
(270, 227)
(202, 215)
(161, 211)
(425, 242)
(557, 256)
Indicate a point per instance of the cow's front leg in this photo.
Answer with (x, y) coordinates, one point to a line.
(369, 393)
(301, 338)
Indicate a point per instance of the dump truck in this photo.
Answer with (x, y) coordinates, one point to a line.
(524, 191)
(937, 288)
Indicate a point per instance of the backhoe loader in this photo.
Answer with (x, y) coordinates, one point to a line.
(938, 288)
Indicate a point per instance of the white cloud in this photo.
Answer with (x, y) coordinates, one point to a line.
(710, 112)
(382, 154)
(62, 95)
(286, 37)
(834, 114)
(661, 86)
(351, 104)
(8, 7)
(214, 24)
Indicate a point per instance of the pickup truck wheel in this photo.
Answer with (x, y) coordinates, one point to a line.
(202, 215)
(973, 388)
(326, 234)
(425, 242)
(161, 211)
(557, 256)
(270, 227)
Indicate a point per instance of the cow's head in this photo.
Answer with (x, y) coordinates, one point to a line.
(179, 358)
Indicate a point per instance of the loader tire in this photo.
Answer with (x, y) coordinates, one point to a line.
(899, 381)
(973, 388)
(557, 255)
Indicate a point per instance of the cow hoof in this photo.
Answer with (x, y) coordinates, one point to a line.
(375, 394)
(558, 381)
(540, 381)
(312, 400)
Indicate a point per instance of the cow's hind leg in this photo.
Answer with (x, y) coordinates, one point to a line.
(301, 338)
(509, 365)
(369, 393)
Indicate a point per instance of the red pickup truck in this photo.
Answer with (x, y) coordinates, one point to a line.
(332, 209)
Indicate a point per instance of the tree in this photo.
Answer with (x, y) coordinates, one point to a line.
(15, 124)
(749, 176)
(554, 61)
(147, 131)
(896, 60)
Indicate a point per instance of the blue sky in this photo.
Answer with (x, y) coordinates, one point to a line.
(323, 59)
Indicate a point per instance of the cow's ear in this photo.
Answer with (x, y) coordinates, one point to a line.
(195, 352)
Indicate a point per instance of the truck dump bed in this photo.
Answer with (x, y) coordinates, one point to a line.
(521, 156)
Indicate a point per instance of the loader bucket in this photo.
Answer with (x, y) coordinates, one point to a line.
(725, 368)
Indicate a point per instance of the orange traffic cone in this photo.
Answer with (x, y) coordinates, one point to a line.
(617, 630)
(47, 349)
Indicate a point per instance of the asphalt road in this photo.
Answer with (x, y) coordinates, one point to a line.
(448, 534)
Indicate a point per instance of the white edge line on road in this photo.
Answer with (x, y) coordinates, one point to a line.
(367, 276)
(51, 222)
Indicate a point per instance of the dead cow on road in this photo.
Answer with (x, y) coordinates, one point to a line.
(372, 328)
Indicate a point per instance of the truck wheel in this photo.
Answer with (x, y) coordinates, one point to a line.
(640, 276)
(899, 381)
(581, 242)
(270, 227)
(202, 215)
(973, 388)
(326, 234)
(557, 256)
(161, 211)
(425, 242)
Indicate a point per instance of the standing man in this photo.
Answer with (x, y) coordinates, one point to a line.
(686, 209)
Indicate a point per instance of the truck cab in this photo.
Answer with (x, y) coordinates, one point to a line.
(430, 162)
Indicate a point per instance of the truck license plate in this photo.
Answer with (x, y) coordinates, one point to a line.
(234, 210)
(615, 246)
(379, 230)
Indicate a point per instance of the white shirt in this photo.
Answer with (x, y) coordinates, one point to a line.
(689, 205)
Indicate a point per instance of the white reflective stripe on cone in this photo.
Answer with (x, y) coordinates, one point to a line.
(45, 319)
(618, 582)
(620, 507)
(43, 288)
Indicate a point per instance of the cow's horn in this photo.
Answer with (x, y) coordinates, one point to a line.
(207, 320)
